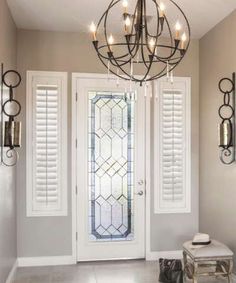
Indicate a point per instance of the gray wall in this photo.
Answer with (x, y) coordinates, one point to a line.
(217, 181)
(71, 52)
(7, 176)
(48, 51)
(169, 231)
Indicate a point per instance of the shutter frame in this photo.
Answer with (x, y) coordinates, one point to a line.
(172, 178)
(55, 192)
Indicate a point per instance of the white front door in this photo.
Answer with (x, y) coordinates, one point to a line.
(110, 168)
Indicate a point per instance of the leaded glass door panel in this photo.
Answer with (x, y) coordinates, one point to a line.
(110, 169)
(111, 165)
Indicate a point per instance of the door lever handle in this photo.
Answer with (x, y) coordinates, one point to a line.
(140, 193)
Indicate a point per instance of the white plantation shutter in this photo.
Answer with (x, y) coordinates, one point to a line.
(172, 147)
(47, 147)
(47, 158)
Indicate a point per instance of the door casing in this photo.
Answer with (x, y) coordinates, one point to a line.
(148, 97)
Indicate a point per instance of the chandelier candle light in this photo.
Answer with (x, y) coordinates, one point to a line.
(150, 42)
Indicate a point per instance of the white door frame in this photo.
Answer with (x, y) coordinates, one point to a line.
(74, 163)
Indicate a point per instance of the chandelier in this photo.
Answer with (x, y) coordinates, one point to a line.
(148, 42)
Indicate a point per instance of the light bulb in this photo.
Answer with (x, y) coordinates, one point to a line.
(183, 40)
(162, 9)
(125, 5)
(93, 29)
(152, 44)
(127, 21)
(177, 30)
(184, 37)
(178, 26)
(110, 40)
(127, 24)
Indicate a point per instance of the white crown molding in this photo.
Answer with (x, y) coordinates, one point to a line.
(12, 273)
(46, 261)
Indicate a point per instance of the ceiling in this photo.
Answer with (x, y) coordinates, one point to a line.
(76, 15)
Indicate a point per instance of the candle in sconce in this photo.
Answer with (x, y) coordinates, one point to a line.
(12, 134)
(224, 131)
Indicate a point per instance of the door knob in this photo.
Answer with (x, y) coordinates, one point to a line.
(141, 182)
(140, 193)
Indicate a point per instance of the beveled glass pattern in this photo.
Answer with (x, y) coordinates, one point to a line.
(111, 166)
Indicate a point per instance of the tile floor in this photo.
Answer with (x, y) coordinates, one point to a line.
(136, 271)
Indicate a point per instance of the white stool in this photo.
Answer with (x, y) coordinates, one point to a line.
(215, 258)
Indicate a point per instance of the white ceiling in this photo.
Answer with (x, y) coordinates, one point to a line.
(76, 15)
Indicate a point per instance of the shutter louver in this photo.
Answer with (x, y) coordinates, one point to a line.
(47, 151)
(172, 147)
(46, 144)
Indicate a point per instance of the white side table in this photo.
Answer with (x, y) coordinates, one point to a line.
(215, 259)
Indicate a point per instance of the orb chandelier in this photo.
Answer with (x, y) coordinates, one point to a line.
(148, 42)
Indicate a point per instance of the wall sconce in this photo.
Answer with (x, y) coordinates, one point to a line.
(226, 129)
(10, 109)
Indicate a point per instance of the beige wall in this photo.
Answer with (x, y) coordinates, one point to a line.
(7, 175)
(217, 181)
(71, 52)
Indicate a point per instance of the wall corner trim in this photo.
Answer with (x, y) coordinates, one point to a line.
(164, 254)
(46, 261)
(12, 273)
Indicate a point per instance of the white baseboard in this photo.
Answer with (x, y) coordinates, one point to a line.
(165, 254)
(67, 260)
(46, 261)
(12, 273)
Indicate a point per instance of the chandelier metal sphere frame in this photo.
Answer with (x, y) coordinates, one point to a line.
(146, 47)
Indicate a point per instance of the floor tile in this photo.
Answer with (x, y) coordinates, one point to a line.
(136, 271)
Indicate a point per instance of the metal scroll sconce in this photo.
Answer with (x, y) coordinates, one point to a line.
(10, 109)
(227, 125)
